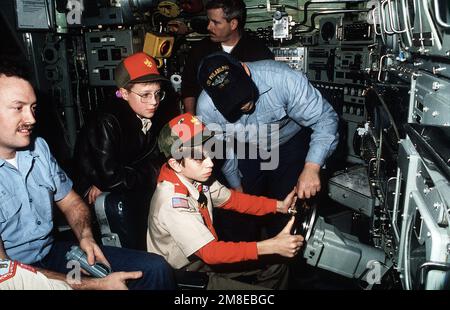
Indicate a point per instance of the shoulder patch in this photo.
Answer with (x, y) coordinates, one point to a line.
(62, 176)
(178, 202)
(7, 269)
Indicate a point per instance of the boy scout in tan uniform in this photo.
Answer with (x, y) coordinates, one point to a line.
(180, 225)
(18, 276)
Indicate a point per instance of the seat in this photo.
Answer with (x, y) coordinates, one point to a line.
(108, 237)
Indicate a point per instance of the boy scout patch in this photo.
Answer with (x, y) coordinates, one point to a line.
(7, 269)
(178, 202)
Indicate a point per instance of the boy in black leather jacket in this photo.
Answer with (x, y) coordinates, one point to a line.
(116, 151)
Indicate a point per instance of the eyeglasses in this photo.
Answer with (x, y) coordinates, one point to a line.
(158, 95)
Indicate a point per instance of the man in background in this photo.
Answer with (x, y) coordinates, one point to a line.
(226, 22)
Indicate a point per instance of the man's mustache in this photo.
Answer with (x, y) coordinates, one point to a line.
(26, 127)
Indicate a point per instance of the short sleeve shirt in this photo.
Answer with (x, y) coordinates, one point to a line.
(176, 226)
(27, 194)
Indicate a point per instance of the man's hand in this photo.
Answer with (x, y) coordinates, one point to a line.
(288, 202)
(93, 193)
(283, 244)
(117, 280)
(308, 184)
(93, 252)
(113, 281)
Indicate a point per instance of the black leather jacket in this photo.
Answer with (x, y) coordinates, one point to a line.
(113, 153)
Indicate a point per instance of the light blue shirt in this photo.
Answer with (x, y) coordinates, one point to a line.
(27, 194)
(287, 100)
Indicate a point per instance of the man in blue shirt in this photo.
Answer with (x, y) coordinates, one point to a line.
(31, 181)
(269, 105)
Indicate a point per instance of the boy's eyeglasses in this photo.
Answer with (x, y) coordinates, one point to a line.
(145, 98)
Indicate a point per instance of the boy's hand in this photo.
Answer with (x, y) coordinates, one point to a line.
(288, 202)
(284, 243)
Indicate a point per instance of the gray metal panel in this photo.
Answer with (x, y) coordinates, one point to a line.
(34, 15)
(105, 49)
(341, 253)
(428, 37)
(425, 233)
(107, 16)
(294, 57)
(431, 100)
(351, 189)
(346, 62)
(319, 59)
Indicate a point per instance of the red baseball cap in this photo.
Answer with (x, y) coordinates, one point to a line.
(137, 68)
(183, 130)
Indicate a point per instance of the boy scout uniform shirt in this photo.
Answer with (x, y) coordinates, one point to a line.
(18, 276)
(176, 227)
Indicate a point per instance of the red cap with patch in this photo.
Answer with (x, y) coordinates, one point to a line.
(137, 68)
(185, 130)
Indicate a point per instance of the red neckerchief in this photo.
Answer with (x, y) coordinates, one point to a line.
(167, 174)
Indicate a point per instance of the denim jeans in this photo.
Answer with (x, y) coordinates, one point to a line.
(157, 273)
(276, 183)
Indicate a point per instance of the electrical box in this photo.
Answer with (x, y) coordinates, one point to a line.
(158, 46)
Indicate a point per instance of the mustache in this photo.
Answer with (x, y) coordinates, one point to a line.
(26, 127)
